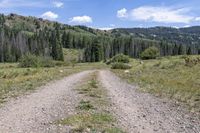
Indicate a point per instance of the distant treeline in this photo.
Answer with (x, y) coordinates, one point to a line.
(103, 48)
(20, 35)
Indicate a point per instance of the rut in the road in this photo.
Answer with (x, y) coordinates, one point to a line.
(34, 113)
(139, 112)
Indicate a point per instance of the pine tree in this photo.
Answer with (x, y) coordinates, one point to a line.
(189, 51)
(180, 50)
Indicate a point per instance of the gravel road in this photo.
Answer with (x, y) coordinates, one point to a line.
(136, 112)
(143, 113)
(35, 113)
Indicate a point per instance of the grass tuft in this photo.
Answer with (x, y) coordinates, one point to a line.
(85, 105)
(84, 121)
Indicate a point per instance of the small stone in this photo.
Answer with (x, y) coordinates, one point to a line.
(152, 122)
(134, 126)
(155, 130)
(126, 71)
(88, 130)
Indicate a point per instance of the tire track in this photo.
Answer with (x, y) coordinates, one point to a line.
(36, 112)
(143, 113)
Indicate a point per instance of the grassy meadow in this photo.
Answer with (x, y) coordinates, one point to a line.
(167, 77)
(15, 80)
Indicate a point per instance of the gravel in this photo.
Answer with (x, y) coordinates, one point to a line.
(37, 112)
(143, 113)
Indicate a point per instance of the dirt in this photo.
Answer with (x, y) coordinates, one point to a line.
(143, 113)
(35, 113)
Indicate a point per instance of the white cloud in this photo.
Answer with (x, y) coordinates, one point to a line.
(106, 28)
(49, 15)
(122, 13)
(176, 27)
(58, 4)
(197, 19)
(186, 26)
(81, 19)
(112, 26)
(157, 14)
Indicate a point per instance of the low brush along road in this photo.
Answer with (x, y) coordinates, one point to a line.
(135, 111)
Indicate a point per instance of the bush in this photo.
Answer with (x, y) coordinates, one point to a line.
(119, 65)
(30, 60)
(192, 61)
(150, 53)
(119, 58)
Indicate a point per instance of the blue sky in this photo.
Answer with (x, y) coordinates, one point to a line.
(110, 13)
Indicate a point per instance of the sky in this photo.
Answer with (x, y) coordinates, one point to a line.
(108, 14)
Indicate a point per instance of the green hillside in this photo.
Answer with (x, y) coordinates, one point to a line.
(20, 35)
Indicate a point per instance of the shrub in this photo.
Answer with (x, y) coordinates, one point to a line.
(119, 58)
(119, 65)
(30, 60)
(192, 61)
(150, 53)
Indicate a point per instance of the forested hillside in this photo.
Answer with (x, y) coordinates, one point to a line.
(188, 37)
(20, 35)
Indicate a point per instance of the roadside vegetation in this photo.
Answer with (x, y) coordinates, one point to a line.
(32, 72)
(150, 53)
(93, 110)
(175, 77)
(119, 61)
(34, 61)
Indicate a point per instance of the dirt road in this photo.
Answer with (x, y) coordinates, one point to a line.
(143, 113)
(136, 112)
(35, 113)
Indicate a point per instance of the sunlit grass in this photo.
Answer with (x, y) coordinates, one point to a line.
(15, 81)
(167, 77)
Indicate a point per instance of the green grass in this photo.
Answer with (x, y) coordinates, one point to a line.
(92, 90)
(15, 81)
(92, 112)
(167, 77)
(85, 105)
(94, 121)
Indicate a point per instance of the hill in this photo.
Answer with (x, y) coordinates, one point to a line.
(20, 35)
(185, 36)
